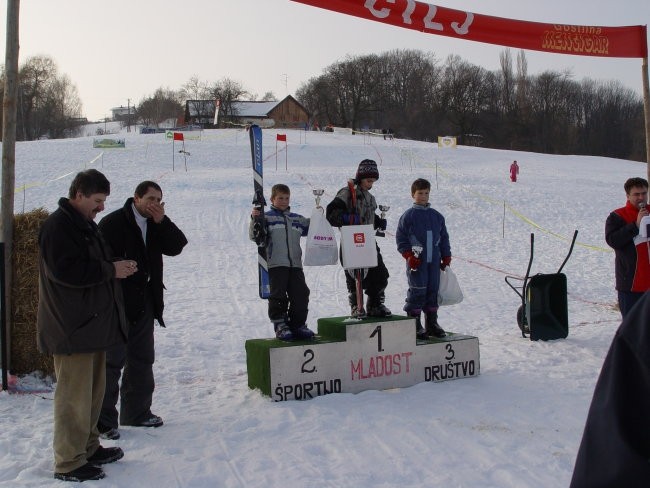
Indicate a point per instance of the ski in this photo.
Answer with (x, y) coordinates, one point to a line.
(259, 226)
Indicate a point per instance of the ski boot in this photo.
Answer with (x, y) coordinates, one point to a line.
(375, 306)
(420, 332)
(431, 324)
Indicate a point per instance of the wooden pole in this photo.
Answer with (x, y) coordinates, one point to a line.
(9, 162)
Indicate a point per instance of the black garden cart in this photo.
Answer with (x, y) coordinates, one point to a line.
(543, 311)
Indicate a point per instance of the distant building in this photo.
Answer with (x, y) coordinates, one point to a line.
(123, 113)
(287, 113)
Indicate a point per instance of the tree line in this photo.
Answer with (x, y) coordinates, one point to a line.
(48, 103)
(408, 91)
(419, 97)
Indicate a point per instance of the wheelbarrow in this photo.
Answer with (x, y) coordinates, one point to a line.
(543, 311)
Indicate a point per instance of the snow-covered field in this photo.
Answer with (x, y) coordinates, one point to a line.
(516, 425)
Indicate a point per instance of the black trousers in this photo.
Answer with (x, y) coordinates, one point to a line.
(289, 298)
(136, 358)
(374, 282)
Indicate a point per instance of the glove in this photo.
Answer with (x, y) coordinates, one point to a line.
(444, 262)
(350, 219)
(381, 223)
(412, 260)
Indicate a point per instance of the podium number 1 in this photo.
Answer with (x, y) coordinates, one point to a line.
(377, 332)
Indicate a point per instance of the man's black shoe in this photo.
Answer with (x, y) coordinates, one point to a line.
(105, 455)
(106, 432)
(82, 473)
(151, 421)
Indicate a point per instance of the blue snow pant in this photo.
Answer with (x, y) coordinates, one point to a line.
(423, 283)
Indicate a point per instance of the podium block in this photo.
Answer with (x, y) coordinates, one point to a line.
(350, 356)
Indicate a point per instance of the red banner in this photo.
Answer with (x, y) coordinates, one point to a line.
(617, 42)
(281, 137)
(178, 136)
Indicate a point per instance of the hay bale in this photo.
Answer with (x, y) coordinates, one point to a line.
(25, 356)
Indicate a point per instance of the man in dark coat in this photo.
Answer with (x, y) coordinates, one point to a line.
(615, 447)
(139, 231)
(80, 316)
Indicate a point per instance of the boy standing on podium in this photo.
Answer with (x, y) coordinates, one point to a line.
(423, 241)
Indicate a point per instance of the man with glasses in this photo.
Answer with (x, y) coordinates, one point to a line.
(625, 233)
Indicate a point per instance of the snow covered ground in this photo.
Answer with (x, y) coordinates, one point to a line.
(516, 425)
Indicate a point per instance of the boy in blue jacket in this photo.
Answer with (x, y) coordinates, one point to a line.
(289, 296)
(423, 241)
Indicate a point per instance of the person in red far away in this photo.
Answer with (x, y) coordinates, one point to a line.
(514, 171)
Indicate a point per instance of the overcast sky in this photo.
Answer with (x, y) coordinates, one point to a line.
(124, 49)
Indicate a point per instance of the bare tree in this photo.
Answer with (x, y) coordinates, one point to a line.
(198, 94)
(464, 94)
(269, 97)
(48, 103)
(162, 105)
(228, 91)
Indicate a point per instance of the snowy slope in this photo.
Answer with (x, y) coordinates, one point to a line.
(517, 425)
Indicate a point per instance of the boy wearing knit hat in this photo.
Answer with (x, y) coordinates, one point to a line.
(354, 205)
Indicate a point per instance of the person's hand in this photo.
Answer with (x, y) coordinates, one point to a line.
(444, 262)
(412, 260)
(125, 268)
(643, 212)
(381, 223)
(157, 211)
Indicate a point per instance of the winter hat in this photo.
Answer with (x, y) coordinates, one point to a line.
(367, 169)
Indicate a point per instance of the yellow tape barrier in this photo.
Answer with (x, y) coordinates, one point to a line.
(521, 216)
(43, 183)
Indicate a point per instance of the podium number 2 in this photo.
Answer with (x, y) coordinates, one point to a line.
(377, 332)
(309, 357)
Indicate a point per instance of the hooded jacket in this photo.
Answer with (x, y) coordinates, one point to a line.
(122, 233)
(80, 307)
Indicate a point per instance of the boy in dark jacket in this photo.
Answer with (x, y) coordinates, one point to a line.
(289, 298)
(354, 204)
(422, 240)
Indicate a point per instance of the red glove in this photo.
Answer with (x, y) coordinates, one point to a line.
(413, 261)
(444, 262)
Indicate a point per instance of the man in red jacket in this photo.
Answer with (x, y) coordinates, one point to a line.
(624, 235)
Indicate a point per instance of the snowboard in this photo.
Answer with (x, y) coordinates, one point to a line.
(259, 224)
